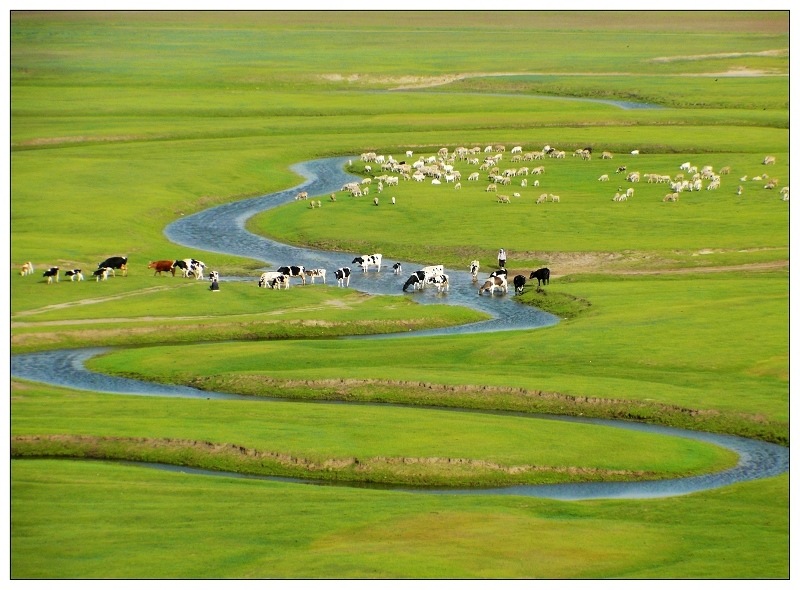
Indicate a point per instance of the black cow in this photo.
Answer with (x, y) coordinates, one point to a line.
(294, 271)
(50, 273)
(542, 275)
(519, 284)
(115, 262)
(343, 276)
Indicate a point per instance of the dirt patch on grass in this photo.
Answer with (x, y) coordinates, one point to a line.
(109, 447)
(420, 82)
(704, 56)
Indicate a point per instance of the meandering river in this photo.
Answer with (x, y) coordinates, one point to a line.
(222, 229)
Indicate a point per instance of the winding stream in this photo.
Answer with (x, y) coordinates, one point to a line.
(221, 229)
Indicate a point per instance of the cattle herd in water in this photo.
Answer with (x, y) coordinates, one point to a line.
(432, 276)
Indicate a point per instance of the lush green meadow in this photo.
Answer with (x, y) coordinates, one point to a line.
(674, 313)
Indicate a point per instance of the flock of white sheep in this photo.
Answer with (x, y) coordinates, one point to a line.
(441, 168)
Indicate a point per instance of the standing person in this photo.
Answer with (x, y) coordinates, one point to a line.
(501, 258)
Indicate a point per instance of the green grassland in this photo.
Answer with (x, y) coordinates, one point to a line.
(673, 313)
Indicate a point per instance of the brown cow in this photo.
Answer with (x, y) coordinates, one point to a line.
(162, 266)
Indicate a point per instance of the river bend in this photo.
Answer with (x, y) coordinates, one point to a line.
(222, 229)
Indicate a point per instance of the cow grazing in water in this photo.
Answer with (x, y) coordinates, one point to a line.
(542, 275)
(422, 276)
(160, 266)
(416, 280)
(343, 276)
(50, 273)
(115, 263)
(74, 275)
(316, 273)
(519, 284)
(368, 260)
(397, 267)
(294, 271)
(493, 283)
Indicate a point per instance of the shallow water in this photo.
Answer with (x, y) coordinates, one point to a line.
(221, 229)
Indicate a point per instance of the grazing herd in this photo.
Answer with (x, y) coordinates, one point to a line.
(432, 276)
(441, 170)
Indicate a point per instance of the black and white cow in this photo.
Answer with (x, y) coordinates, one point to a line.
(343, 276)
(197, 268)
(213, 276)
(115, 263)
(74, 275)
(500, 272)
(542, 275)
(519, 284)
(294, 271)
(416, 280)
(50, 273)
(316, 273)
(493, 283)
(274, 280)
(440, 280)
(181, 265)
(368, 260)
(474, 267)
(101, 274)
(436, 269)
(397, 267)
(189, 267)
